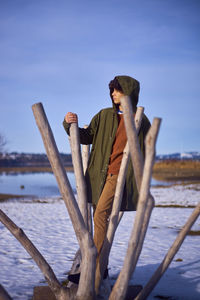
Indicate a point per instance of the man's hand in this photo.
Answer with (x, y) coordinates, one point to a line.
(71, 118)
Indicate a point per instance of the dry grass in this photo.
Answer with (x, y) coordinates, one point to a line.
(174, 206)
(4, 197)
(194, 232)
(22, 170)
(170, 170)
(166, 170)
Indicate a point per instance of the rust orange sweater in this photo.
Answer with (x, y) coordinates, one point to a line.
(118, 147)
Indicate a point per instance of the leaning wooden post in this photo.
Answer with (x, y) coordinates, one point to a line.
(145, 205)
(137, 160)
(85, 159)
(3, 294)
(78, 171)
(169, 256)
(120, 287)
(114, 217)
(54, 284)
(134, 147)
(86, 284)
(121, 181)
(85, 154)
(137, 165)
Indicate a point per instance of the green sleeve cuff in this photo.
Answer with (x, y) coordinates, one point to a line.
(66, 126)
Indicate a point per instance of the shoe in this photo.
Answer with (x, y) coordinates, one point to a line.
(76, 277)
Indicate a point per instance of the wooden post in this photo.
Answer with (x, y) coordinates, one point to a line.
(120, 287)
(114, 217)
(45, 268)
(169, 256)
(145, 205)
(76, 266)
(78, 171)
(86, 284)
(85, 159)
(3, 294)
(134, 147)
(85, 154)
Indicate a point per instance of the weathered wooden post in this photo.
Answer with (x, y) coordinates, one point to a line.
(78, 171)
(80, 167)
(114, 217)
(60, 292)
(88, 250)
(85, 158)
(134, 147)
(169, 256)
(85, 154)
(135, 243)
(3, 294)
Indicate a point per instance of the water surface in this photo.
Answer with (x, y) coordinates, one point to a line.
(37, 184)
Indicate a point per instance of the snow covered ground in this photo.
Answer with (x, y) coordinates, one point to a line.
(48, 225)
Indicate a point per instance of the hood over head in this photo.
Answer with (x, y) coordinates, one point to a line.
(129, 86)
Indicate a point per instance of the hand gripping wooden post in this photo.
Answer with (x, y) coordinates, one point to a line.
(138, 232)
(86, 285)
(113, 223)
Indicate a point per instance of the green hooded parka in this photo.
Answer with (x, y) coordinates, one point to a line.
(101, 134)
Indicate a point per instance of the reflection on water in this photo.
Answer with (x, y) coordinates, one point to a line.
(155, 182)
(37, 184)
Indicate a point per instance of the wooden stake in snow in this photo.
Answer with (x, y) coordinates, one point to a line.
(170, 255)
(3, 294)
(135, 242)
(85, 159)
(86, 285)
(78, 171)
(113, 223)
(82, 201)
(85, 154)
(53, 282)
(134, 147)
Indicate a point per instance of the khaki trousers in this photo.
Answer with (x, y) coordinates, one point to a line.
(103, 211)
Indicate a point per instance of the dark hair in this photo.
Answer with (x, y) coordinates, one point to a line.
(114, 84)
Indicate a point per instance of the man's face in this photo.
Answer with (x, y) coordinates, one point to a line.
(116, 95)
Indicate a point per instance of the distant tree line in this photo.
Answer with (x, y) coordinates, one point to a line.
(15, 159)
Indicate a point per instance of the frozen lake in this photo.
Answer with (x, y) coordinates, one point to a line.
(48, 225)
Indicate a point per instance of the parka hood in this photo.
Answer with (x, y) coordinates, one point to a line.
(130, 87)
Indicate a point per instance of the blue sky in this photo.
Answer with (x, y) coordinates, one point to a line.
(64, 53)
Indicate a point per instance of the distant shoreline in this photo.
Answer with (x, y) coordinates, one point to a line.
(31, 169)
(166, 170)
(4, 197)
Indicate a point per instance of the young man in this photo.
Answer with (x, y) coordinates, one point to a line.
(107, 135)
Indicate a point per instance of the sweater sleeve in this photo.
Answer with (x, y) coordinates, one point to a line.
(86, 134)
